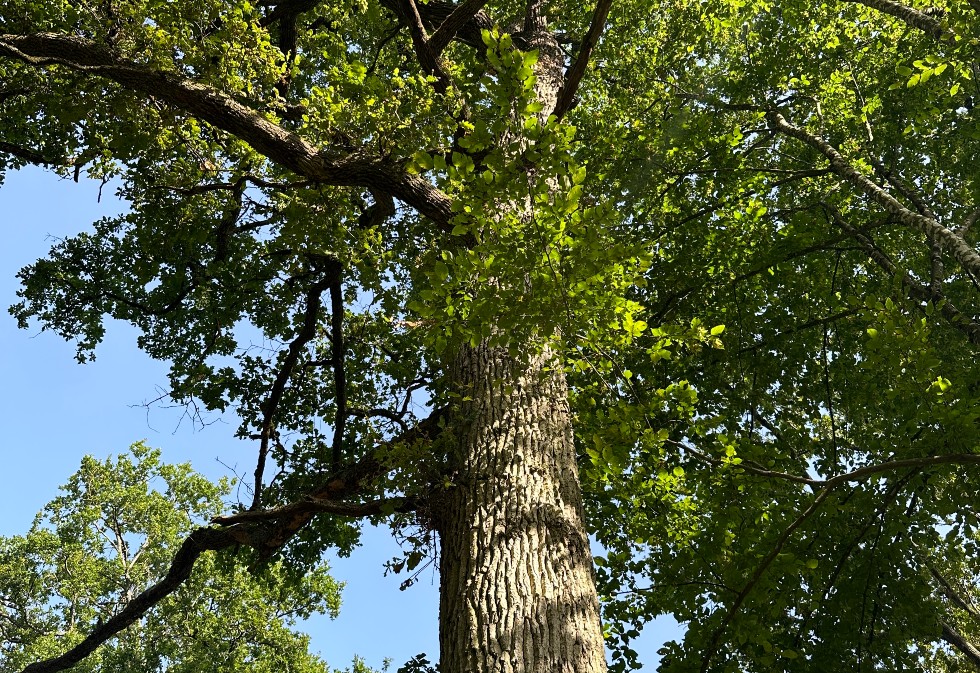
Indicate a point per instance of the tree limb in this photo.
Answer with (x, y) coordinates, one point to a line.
(965, 254)
(338, 350)
(435, 13)
(198, 542)
(575, 73)
(918, 291)
(961, 644)
(311, 505)
(263, 531)
(454, 23)
(915, 18)
(33, 156)
(283, 147)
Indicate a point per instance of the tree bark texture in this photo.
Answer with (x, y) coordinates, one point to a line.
(517, 586)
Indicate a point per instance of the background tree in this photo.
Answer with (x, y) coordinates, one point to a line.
(112, 533)
(734, 241)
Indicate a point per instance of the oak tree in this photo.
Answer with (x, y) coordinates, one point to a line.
(699, 278)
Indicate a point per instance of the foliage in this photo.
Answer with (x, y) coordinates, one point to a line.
(111, 533)
(752, 242)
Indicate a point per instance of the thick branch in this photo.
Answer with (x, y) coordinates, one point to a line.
(338, 350)
(264, 531)
(965, 254)
(220, 110)
(915, 289)
(198, 542)
(575, 73)
(312, 505)
(435, 15)
(327, 496)
(927, 23)
(33, 156)
(454, 23)
(962, 645)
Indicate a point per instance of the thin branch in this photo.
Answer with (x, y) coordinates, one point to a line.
(965, 254)
(392, 416)
(753, 468)
(905, 463)
(936, 268)
(757, 574)
(829, 486)
(888, 499)
(859, 474)
(916, 290)
(970, 220)
(428, 58)
(338, 351)
(435, 12)
(810, 324)
(577, 71)
(950, 592)
(237, 185)
(904, 188)
(307, 333)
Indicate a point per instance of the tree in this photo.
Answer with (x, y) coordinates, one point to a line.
(733, 242)
(111, 533)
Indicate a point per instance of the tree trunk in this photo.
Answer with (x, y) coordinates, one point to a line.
(517, 586)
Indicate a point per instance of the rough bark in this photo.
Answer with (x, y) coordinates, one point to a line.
(517, 586)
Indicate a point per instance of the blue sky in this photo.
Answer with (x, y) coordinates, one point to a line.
(55, 411)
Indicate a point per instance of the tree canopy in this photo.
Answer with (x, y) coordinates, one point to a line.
(738, 236)
(113, 530)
